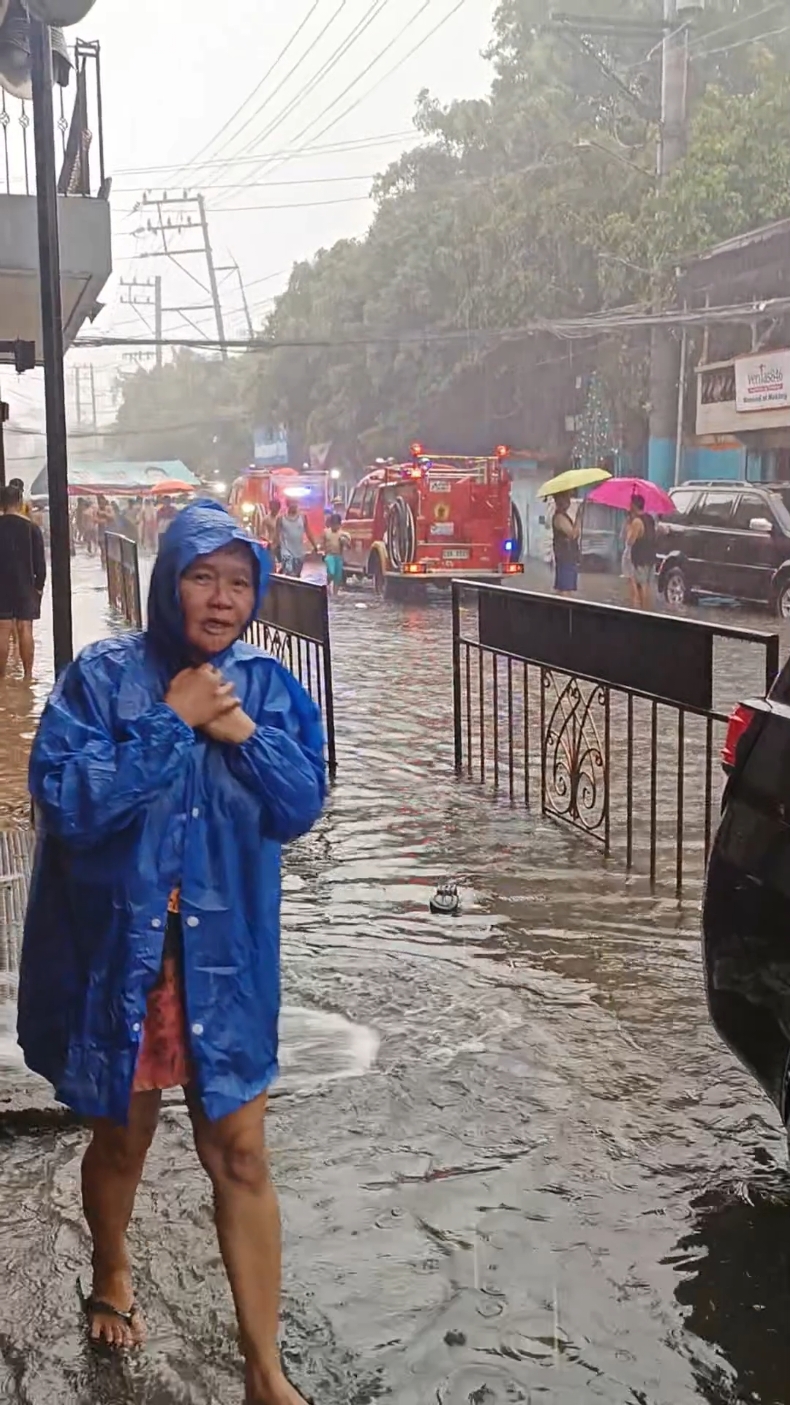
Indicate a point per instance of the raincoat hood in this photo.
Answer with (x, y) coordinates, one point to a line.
(199, 530)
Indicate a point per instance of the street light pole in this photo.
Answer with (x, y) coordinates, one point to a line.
(52, 341)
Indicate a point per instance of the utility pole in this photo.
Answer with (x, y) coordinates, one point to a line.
(188, 216)
(77, 395)
(52, 340)
(94, 417)
(158, 321)
(666, 392)
(212, 278)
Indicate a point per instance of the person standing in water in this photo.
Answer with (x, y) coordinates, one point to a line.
(640, 541)
(292, 532)
(565, 533)
(334, 543)
(169, 768)
(23, 575)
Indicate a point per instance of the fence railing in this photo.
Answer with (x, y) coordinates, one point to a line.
(293, 625)
(123, 578)
(607, 719)
(79, 131)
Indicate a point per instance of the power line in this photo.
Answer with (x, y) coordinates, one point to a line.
(261, 185)
(371, 14)
(329, 149)
(264, 80)
(357, 101)
(742, 43)
(595, 324)
(734, 23)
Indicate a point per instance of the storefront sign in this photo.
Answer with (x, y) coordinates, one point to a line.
(762, 382)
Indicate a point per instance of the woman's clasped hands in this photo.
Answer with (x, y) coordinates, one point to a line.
(204, 700)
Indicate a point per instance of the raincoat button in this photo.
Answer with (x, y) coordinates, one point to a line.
(195, 813)
(156, 921)
(193, 921)
(197, 1029)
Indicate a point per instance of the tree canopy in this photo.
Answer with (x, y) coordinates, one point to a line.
(539, 201)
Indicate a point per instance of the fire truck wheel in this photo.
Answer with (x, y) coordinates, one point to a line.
(401, 534)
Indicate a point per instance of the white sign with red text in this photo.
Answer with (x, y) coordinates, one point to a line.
(762, 382)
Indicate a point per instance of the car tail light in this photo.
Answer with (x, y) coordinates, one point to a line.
(737, 725)
(514, 568)
(415, 568)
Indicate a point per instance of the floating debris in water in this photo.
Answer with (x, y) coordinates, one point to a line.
(445, 901)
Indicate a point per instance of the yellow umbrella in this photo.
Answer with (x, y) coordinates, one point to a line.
(572, 479)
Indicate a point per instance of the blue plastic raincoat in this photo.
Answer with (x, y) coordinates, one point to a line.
(132, 803)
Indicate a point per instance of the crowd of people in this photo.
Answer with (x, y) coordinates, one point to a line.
(289, 537)
(638, 543)
(142, 519)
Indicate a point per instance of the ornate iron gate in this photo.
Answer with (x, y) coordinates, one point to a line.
(607, 716)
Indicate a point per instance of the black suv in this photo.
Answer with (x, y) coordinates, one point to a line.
(728, 538)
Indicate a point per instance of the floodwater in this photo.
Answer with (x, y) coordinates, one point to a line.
(515, 1163)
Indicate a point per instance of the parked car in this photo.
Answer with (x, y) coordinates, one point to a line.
(746, 912)
(728, 538)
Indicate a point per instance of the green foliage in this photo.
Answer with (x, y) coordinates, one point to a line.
(509, 210)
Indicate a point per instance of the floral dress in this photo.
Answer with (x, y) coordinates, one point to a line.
(164, 1061)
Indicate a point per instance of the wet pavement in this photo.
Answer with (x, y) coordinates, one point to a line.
(515, 1163)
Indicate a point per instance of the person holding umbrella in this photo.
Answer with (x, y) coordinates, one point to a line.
(643, 501)
(566, 532)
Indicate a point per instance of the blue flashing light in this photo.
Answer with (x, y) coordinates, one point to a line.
(510, 546)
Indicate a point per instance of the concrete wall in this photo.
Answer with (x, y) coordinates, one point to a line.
(86, 263)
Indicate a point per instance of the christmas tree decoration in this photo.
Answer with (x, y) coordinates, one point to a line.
(596, 444)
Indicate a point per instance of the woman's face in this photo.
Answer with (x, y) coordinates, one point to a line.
(218, 598)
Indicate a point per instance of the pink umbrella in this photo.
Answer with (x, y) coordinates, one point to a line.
(618, 492)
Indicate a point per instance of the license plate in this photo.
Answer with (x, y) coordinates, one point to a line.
(455, 555)
(443, 529)
(439, 486)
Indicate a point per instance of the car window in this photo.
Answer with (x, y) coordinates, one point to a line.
(683, 499)
(749, 507)
(715, 510)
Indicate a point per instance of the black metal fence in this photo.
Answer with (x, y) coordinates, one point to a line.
(293, 625)
(606, 719)
(123, 578)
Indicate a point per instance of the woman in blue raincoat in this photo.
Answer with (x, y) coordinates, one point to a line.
(168, 769)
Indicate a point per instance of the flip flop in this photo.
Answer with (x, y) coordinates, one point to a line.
(97, 1307)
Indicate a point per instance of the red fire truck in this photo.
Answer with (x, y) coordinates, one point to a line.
(421, 523)
(251, 496)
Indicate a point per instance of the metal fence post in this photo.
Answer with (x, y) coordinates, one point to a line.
(458, 735)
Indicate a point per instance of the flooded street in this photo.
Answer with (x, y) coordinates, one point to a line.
(515, 1163)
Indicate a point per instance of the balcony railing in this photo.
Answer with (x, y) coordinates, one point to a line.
(78, 133)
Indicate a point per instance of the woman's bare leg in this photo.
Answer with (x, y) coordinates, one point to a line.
(27, 648)
(233, 1153)
(111, 1172)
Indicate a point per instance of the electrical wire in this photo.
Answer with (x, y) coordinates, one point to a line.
(733, 24)
(742, 43)
(264, 80)
(329, 149)
(357, 101)
(375, 9)
(294, 69)
(623, 319)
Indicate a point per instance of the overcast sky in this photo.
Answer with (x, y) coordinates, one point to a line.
(176, 73)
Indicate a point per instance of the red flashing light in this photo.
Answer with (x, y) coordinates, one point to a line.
(739, 721)
(502, 451)
(417, 450)
(514, 568)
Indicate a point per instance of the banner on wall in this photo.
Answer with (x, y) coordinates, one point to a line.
(271, 446)
(762, 382)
